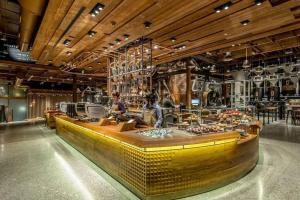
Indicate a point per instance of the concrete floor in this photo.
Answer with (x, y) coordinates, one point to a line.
(35, 164)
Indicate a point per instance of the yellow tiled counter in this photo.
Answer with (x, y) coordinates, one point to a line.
(163, 171)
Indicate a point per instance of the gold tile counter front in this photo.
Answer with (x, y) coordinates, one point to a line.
(169, 172)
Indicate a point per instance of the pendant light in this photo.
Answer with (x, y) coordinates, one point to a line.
(228, 57)
(246, 63)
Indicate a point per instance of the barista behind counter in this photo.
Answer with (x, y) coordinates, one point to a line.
(118, 106)
(152, 114)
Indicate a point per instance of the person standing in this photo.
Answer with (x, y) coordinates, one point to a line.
(152, 113)
(118, 106)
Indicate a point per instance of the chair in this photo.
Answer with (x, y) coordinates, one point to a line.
(273, 110)
(261, 108)
(296, 117)
(289, 111)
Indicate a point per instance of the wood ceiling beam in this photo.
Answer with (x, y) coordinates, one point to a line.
(207, 60)
(21, 65)
(273, 40)
(227, 44)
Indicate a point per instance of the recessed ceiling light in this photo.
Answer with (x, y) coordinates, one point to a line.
(67, 42)
(118, 41)
(224, 6)
(111, 45)
(99, 6)
(147, 24)
(227, 5)
(155, 47)
(180, 47)
(92, 33)
(245, 22)
(233, 45)
(126, 36)
(258, 2)
(173, 39)
(68, 53)
(96, 10)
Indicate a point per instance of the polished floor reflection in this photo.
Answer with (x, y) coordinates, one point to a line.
(36, 164)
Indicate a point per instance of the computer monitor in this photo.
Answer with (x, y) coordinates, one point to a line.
(195, 102)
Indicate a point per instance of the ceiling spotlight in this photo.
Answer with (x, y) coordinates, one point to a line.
(68, 53)
(218, 10)
(118, 41)
(111, 45)
(258, 2)
(245, 22)
(180, 47)
(96, 10)
(155, 47)
(92, 33)
(99, 6)
(233, 45)
(224, 6)
(147, 24)
(90, 67)
(67, 42)
(126, 36)
(227, 5)
(173, 39)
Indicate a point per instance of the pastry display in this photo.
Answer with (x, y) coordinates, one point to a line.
(205, 129)
(156, 133)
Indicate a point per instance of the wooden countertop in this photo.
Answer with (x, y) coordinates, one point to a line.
(135, 138)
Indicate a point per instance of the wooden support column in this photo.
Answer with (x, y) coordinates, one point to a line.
(161, 91)
(74, 89)
(188, 88)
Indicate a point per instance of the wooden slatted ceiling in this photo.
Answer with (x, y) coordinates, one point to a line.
(193, 23)
(9, 17)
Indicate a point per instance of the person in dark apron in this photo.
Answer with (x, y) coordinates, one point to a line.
(152, 114)
(118, 106)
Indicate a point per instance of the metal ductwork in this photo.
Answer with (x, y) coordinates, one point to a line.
(31, 10)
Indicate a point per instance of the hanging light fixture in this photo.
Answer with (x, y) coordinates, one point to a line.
(213, 69)
(246, 63)
(228, 57)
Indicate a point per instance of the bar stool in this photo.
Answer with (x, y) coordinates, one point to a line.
(289, 111)
(273, 111)
(260, 108)
(296, 116)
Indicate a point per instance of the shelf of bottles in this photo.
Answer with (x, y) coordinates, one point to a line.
(130, 71)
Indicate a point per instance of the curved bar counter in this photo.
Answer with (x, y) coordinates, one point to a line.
(164, 168)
